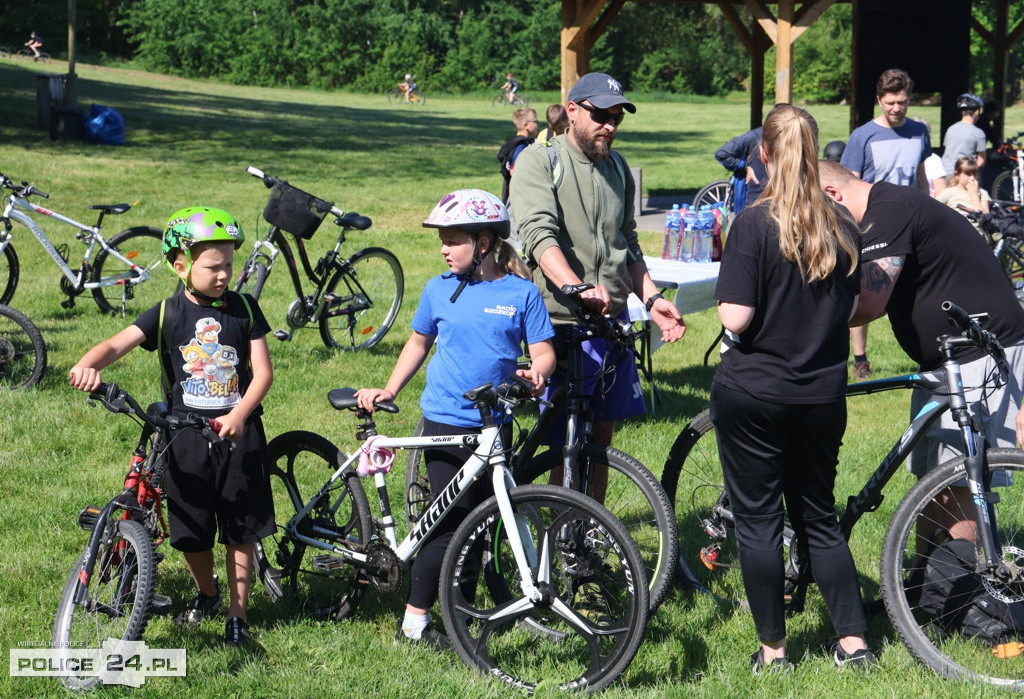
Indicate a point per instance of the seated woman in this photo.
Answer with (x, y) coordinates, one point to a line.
(963, 189)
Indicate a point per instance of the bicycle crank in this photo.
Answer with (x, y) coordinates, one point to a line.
(383, 568)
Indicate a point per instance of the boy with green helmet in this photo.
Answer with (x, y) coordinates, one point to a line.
(212, 342)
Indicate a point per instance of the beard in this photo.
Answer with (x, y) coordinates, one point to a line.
(596, 149)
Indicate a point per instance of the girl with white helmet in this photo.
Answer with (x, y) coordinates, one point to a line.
(479, 314)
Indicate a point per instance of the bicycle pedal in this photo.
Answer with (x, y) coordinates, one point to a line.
(67, 303)
(87, 517)
(328, 563)
(161, 605)
(331, 298)
(1008, 650)
(283, 335)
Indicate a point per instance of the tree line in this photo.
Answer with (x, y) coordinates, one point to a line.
(453, 46)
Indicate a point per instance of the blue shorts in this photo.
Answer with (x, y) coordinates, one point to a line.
(610, 380)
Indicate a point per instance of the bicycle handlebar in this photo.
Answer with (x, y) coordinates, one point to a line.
(116, 400)
(507, 394)
(615, 331)
(270, 181)
(22, 190)
(970, 328)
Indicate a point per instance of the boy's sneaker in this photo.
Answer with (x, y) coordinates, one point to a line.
(429, 637)
(862, 659)
(200, 607)
(236, 632)
(759, 666)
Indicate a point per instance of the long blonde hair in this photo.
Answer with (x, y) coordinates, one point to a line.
(810, 232)
(506, 259)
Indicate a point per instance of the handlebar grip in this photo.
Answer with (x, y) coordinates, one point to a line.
(215, 425)
(957, 315)
(44, 195)
(255, 172)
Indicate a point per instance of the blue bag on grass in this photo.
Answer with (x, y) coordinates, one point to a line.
(103, 125)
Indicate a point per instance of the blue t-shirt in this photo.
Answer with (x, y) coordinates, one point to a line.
(881, 154)
(479, 339)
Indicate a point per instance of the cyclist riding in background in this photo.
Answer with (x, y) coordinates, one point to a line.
(408, 86)
(35, 42)
(510, 88)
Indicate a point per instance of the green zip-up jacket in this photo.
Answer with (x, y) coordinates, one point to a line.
(590, 218)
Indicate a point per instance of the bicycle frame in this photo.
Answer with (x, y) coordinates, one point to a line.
(90, 235)
(489, 453)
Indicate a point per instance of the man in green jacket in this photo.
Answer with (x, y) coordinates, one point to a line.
(575, 221)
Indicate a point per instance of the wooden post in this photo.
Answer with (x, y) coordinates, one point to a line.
(71, 88)
(784, 53)
(577, 16)
(1001, 39)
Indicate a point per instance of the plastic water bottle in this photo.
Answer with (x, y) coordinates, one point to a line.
(705, 224)
(673, 222)
(685, 253)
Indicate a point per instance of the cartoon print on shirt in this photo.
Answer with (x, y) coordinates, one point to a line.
(214, 380)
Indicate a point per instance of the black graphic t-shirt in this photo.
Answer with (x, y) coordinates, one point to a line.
(208, 349)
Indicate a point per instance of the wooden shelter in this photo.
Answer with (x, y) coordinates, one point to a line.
(928, 38)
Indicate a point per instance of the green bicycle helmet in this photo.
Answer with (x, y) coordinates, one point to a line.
(199, 224)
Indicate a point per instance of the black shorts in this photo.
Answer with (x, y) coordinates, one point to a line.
(211, 489)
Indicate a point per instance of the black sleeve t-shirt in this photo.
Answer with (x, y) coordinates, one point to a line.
(209, 351)
(795, 349)
(945, 260)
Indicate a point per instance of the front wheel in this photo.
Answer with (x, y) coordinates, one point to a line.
(9, 271)
(363, 300)
(396, 96)
(593, 602)
(938, 640)
(142, 246)
(1004, 187)
(22, 350)
(499, 100)
(117, 599)
(308, 580)
(252, 279)
(634, 497)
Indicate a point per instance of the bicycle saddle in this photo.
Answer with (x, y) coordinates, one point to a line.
(354, 220)
(345, 399)
(111, 208)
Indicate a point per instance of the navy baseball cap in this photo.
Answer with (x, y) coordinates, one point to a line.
(601, 90)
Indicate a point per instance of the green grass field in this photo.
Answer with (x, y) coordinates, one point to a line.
(188, 144)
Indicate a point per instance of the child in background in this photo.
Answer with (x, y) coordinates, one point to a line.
(525, 121)
(558, 122)
(479, 315)
(210, 488)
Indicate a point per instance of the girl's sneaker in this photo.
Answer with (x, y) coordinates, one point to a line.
(862, 659)
(759, 666)
(429, 637)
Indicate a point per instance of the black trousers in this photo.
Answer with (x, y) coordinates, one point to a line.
(442, 464)
(771, 453)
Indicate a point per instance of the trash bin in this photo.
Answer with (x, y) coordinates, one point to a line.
(65, 122)
(49, 94)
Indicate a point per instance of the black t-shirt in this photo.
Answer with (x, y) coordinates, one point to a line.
(945, 260)
(794, 351)
(209, 351)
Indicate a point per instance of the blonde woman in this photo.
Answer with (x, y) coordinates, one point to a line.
(789, 283)
(963, 189)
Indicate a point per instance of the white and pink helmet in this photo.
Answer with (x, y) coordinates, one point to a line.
(472, 210)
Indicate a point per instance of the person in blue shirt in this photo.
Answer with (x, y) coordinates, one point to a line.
(478, 315)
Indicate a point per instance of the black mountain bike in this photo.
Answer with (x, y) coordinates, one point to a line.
(709, 561)
(633, 493)
(111, 590)
(22, 350)
(355, 301)
(1003, 229)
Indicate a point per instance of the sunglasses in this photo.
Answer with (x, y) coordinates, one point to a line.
(602, 116)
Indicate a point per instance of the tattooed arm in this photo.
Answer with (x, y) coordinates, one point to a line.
(877, 279)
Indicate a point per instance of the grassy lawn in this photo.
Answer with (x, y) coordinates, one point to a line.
(188, 143)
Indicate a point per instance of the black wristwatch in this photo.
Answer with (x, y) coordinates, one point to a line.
(650, 302)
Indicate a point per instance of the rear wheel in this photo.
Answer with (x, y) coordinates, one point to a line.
(1003, 187)
(117, 600)
(590, 620)
(22, 350)
(938, 641)
(366, 299)
(417, 98)
(9, 271)
(143, 247)
(307, 580)
(719, 191)
(634, 497)
(417, 485)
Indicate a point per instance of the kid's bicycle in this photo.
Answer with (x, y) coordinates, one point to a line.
(354, 301)
(501, 100)
(1008, 186)
(709, 561)
(538, 582)
(632, 493)
(22, 350)
(110, 593)
(126, 273)
(397, 96)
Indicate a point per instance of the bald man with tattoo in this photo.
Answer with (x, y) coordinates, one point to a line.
(915, 254)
